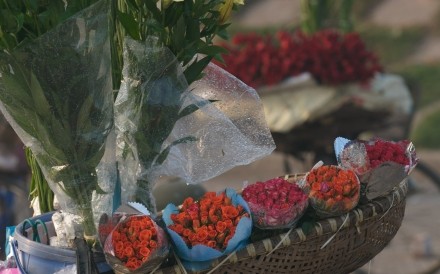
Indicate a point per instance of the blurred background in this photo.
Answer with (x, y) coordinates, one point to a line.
(405, 37)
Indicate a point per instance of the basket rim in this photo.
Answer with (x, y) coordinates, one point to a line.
(328, 226)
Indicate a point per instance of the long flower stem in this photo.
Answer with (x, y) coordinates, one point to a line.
(144, 195)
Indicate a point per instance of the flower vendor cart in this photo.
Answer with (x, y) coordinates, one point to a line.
(174, 114)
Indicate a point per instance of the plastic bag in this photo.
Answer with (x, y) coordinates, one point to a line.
(198, 243)
(275, 204)
(166, 128)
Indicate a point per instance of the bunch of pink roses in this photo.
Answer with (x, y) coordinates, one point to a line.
(275, 203)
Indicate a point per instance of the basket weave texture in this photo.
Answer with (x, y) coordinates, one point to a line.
(356, 240)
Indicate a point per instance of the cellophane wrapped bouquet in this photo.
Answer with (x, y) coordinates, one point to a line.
(56, 92)
(275, 203)
(332, 190)
(136, 245)
(380, 165)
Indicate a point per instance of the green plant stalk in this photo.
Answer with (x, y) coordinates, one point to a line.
(345, 21)
(39, 187)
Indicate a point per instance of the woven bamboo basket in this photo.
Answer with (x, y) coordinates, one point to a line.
(356, 238)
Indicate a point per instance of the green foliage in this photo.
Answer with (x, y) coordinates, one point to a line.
(39, 188)
(426, 78)
(427, 133)
(392, 47)
(187, 28)
(321, 14)
(26, 20)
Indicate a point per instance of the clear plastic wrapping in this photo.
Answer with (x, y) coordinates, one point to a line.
(165, 127)
(275, 204)
(380, 165)
(56, 93)
(332, 190)
(136, 245)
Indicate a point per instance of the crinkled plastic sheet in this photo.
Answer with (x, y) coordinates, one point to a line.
(56, 93)
(228, 132)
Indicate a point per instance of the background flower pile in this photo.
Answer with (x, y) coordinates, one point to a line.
(331, 57)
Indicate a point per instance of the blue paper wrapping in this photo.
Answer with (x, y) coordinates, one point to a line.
(339, 145)
(200, 257)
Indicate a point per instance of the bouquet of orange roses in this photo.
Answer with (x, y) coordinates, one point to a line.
(204, 230)
(136, 245)
(332, 190)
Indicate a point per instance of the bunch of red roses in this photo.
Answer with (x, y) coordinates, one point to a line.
(381, 151)
(275, 203)
(135, 241)
(211, 221)
(331, 57)
(332, 190)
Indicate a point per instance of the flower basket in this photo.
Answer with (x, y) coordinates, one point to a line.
(357, 237)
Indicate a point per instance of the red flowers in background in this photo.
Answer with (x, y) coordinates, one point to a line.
(381, 151)
(212, 221)
(275, 203)
(134, 240)
(333, 190)
(332, 58)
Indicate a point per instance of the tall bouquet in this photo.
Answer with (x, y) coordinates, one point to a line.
(56, 93)
(166, 121)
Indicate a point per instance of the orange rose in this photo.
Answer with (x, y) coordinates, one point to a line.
(220, 227)
(202, 235)
(229, 212)
(128, 251)
(145, 235)
(153, 244)
(145, 251)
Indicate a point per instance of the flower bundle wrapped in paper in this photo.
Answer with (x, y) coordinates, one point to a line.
(276, 203)
(136, 245)
(332, 190)
(204, 230)
(380, 165)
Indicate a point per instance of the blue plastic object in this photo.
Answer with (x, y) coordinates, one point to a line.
(36, 258)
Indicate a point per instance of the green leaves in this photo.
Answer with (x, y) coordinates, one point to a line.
(163, 155)
(129, 24)
(39, 188)
(187, 28)
(25, 20)
(194, 71)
